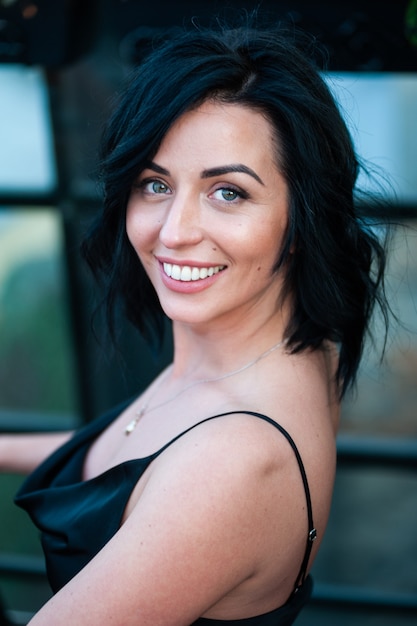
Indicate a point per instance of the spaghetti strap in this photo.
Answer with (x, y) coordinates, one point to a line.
(312, 533)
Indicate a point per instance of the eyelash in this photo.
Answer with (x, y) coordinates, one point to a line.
(148, 181)
(240, 193)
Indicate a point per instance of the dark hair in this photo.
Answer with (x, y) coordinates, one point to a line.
(334, 264)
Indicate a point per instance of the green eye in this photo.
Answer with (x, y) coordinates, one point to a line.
(158, 187)
(229, 194)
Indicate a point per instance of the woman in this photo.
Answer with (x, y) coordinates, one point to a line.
(228, 175)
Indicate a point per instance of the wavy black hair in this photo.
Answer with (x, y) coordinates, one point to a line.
(334, 264)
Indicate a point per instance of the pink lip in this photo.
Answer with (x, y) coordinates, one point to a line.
(192, 286)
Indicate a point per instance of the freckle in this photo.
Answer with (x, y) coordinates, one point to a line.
(259, 268)
(214, 249)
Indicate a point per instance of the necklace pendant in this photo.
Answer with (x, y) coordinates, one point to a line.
(134, 422)
(131, 426)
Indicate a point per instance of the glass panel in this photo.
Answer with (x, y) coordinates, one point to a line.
(36, 359)
(386, 398)
(380, 110)
(27, 163)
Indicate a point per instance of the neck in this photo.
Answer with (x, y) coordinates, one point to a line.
(203, 354)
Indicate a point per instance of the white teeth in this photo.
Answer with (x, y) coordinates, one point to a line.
(186, 273)
(195, 273)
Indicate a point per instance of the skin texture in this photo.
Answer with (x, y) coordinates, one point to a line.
(217, 524)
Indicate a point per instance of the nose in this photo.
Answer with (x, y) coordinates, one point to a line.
(181, 225)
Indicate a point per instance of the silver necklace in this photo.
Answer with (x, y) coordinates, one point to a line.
(145, 407)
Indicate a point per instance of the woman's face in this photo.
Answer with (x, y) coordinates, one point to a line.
(207, 217)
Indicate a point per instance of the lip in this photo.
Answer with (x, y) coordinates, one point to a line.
(189, 286)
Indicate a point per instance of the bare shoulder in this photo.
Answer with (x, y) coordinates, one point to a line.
(239, 466)
(297, 398)
(241, 440)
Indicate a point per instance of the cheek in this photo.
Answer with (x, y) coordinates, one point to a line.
(137, 228)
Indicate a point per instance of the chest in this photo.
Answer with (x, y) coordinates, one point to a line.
(151, 431)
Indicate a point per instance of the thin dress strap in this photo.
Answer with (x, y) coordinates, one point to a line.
(312, 533)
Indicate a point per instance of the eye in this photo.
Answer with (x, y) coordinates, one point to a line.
(155, 186)
(152, 186)
(229, 194)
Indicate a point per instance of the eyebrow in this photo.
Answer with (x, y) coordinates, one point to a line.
(226, 169)
(150, 165)
(213, 171)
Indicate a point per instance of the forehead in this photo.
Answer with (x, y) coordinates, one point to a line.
(222, 132)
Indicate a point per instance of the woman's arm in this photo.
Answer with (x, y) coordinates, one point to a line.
(22, 453)
(198, 530)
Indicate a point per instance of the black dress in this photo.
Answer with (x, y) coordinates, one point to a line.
(78, 517)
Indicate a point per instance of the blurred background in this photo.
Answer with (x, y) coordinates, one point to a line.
(61, 64)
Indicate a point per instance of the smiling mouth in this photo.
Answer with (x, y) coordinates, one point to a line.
(187, 273)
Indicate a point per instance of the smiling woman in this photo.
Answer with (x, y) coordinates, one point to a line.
(198, 212)
(228, 206)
